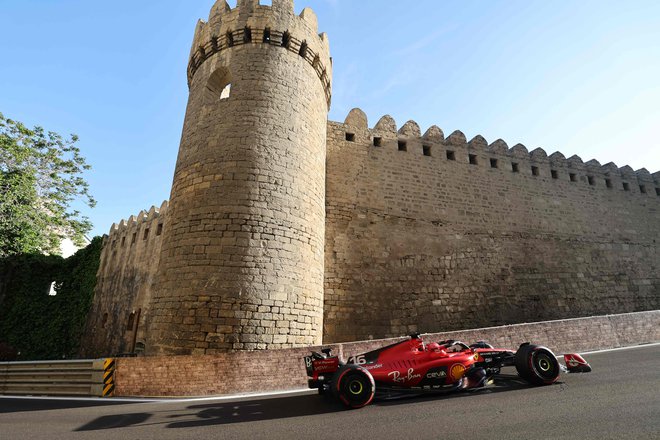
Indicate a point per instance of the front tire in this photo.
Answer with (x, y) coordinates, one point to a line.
(354, 386)
(537, 365)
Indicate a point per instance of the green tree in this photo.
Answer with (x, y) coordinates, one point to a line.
(40, 178)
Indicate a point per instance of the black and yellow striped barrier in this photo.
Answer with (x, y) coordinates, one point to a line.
(58, 378)
(108, 378)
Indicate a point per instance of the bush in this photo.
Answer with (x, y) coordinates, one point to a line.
(7, 352)
(43, 327)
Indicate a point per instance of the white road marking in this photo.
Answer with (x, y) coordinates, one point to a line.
(622, 348)
(114, 400)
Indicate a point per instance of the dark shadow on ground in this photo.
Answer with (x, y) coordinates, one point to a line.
(501, 383)
(222, 413)
(225, 412)
(115, 421)
(11, 405)
(256, 410)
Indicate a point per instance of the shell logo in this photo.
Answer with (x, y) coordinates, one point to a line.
(456, 371)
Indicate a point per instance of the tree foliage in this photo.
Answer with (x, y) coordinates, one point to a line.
(40, 177)
(33, 324)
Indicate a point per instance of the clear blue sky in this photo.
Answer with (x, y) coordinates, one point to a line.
(581, 77)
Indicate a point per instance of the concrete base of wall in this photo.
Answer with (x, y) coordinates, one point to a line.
(277, 370)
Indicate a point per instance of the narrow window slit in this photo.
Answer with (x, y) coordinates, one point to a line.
(286, 39)
(427, 150)
(451, 155)
(146, 234)
(230, 39)
(403, 146)
(472, 158)
(493, 163)
(303, 49)
(350, 137)
(572, 177)
(626, 186)
(267, 35)
(378, 142)
(642, 189)
(554, 174)
(514, 167)
(159, 230)
(247, 35)
(535, 171)
(608, 183)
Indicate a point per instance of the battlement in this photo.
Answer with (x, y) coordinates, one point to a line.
(496, 155)
(126, 231)
(251, 23)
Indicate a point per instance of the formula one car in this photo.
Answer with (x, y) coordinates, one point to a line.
(413, 367)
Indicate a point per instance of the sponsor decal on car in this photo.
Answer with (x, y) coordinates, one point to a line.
(456, 371)
(399, 377)
(436, 374)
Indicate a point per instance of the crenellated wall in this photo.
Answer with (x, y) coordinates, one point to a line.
(431, 233)
(131, 250)
(417, 232)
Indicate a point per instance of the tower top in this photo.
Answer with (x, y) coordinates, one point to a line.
(252, 23)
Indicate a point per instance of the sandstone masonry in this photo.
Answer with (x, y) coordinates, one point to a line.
(286, 230)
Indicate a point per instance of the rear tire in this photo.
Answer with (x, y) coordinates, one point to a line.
(537, 365)
(354, 386)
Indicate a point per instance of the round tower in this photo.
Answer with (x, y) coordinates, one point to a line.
(241, 266)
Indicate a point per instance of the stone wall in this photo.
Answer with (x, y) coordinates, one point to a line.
(284, 229)
(275, 370)
(122, 297)
(425, 233)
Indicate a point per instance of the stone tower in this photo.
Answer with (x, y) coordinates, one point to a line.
(242, 257)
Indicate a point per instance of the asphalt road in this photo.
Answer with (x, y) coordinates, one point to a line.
(619, 399)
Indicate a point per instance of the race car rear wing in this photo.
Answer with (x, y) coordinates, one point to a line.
(318, 364)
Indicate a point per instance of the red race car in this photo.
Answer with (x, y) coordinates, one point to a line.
(413, 367)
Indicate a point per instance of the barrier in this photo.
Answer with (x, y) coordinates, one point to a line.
(58, 378)
(283, 370)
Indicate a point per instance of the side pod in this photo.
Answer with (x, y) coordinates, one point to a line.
(576, 363)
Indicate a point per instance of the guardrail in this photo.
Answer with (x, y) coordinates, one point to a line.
(58, 378)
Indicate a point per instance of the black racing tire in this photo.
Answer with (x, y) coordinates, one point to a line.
(537, 365)
(354, 386)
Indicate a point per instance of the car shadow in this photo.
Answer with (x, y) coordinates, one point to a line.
(222, 413)
(500, 383)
